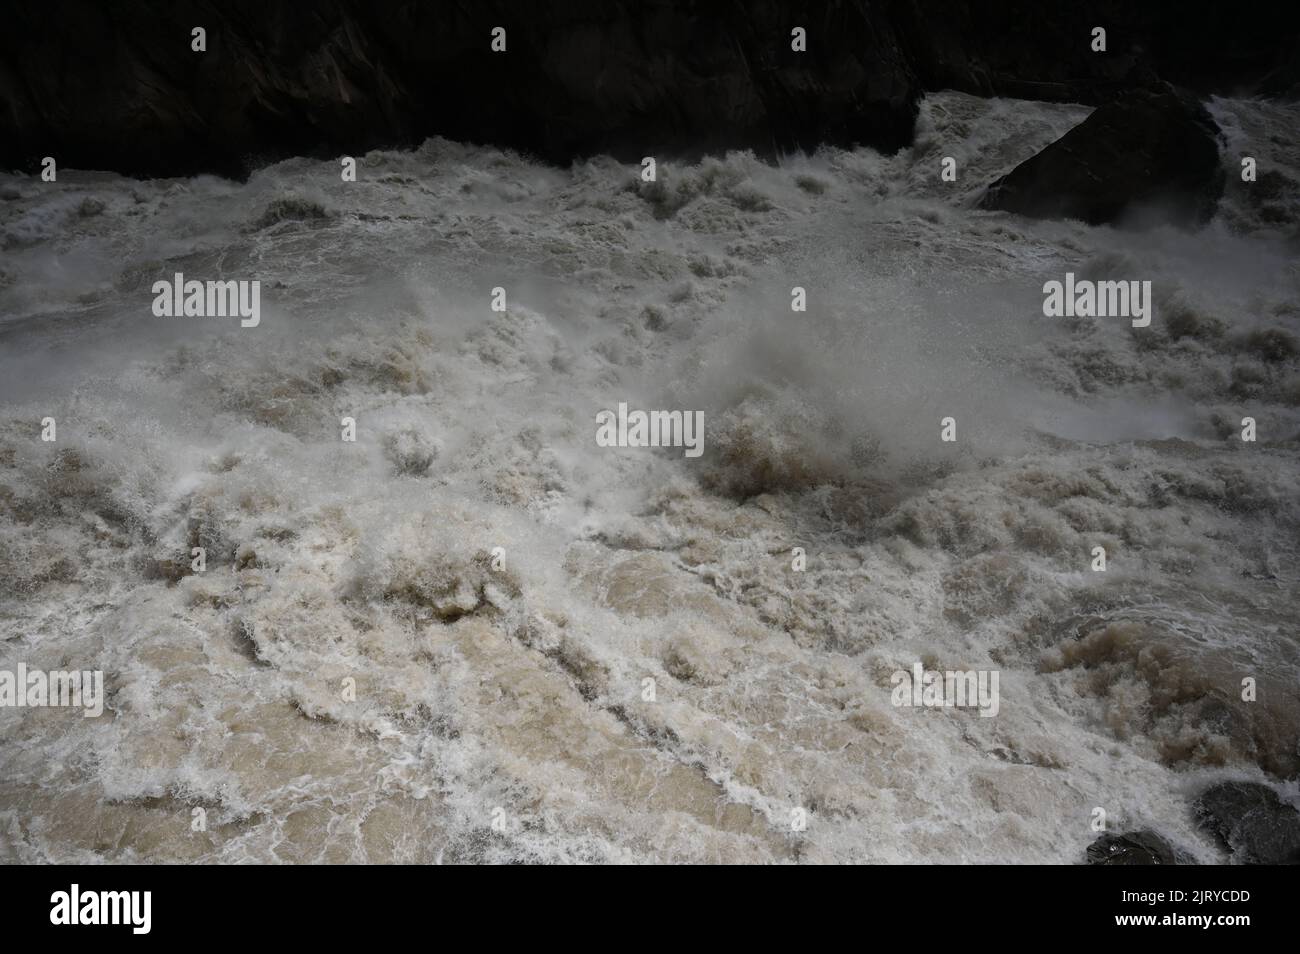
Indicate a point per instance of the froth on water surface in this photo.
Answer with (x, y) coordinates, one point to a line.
(474, 633)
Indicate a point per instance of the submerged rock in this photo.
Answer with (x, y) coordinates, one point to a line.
(1256, 825)
(1149, 158)
(1132, 848)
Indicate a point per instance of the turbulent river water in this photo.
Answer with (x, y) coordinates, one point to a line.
(360, 674)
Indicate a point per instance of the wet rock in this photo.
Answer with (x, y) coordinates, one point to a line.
(1132, 848)
(1150, 158)
(1256, 825)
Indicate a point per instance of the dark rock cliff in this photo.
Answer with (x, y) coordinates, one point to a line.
(114, 84)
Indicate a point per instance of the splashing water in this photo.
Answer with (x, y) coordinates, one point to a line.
(498, 707)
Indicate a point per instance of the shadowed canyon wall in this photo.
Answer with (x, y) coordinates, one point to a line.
(117, 85)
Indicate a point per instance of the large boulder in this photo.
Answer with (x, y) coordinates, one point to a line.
(1252, 821)
(1150, 157)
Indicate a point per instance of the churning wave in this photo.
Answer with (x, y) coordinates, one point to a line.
(500, 709)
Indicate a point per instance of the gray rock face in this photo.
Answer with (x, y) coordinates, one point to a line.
(1252, 821)
(1150, 157)
(1132, 848)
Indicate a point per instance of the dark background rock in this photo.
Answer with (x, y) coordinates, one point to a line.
(1029, 49)
(115, 85)
(1252, 821)
(1283, 81)
(1150, 156)
(1131, 848)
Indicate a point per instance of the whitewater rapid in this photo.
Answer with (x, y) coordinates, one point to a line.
(495, 588)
